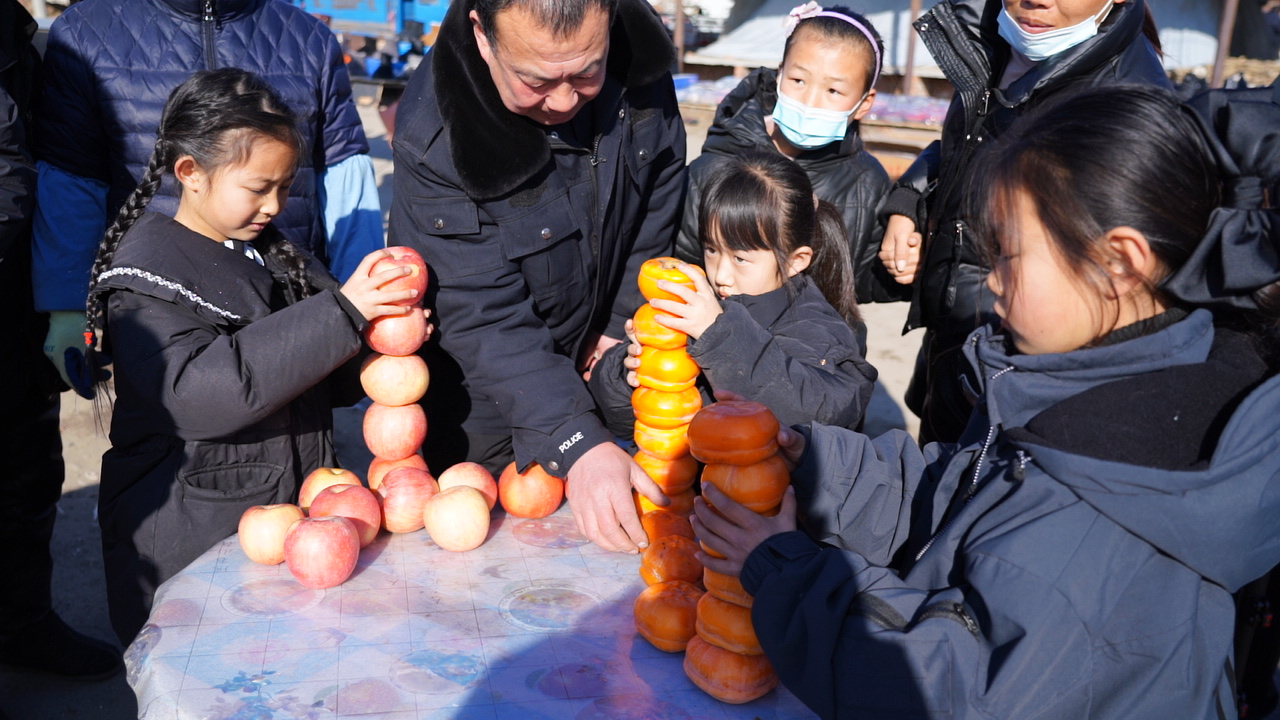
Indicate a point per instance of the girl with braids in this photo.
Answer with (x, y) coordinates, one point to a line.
(775, 315)
(223, 334)
(1074, 556)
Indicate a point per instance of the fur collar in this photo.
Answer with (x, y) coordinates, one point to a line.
(495, 150)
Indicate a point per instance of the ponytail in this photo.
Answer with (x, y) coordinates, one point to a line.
(287, 263)
(832, 267)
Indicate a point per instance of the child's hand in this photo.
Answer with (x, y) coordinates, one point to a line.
(632, 360)
(699, 310)
(734, 531)
(365, 291)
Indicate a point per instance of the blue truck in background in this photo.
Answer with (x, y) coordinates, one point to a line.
(379, 18)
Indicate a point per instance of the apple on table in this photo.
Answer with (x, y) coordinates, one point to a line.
(263, 528)
(321, 552)
(321, 478)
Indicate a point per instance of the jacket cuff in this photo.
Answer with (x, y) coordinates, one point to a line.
(771, 555)
(571, 441)
(720, 330)
(904, 201)
(357, 317)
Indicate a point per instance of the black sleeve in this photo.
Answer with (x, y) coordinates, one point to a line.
(17, 176)
(872, 281)
(612, 393)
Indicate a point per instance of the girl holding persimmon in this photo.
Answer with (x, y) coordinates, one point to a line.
(1074, 555)
(775, 316)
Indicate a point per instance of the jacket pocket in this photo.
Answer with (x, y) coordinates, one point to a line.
(234, 473)
(452, 241)
(547, 245)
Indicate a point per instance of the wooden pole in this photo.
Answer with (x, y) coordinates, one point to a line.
(909, 72)
(1225, 30)
(679, 36)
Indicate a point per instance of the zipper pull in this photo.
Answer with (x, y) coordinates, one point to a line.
(1020, 470)
(208, 11)
(986, 103)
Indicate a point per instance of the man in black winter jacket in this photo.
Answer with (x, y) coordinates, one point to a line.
(32, 636)
(539, 161)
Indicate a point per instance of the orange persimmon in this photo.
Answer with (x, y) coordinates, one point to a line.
(666, 614)
(663, 409)
(672, 476)
(666, 370)
(728, 676)
(736, 432)
(648, 331)
(670, 558)
(663, 443)
(661, 523)
(726, 587)
(727, 625)
(709, 551)
(757, 487)
(681, 503)
(663, 268)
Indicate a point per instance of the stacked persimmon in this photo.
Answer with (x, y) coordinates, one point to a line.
(738, 441)
(664, 404)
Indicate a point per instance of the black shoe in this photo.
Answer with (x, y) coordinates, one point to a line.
(50, 646)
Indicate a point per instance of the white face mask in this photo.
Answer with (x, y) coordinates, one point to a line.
(809, 127)
(1039, 46)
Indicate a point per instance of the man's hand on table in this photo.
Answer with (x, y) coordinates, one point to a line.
(599, 489)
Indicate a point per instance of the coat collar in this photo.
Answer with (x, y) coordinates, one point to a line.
(494, 150)
(768, 308)
(222, 9)
(162, 258)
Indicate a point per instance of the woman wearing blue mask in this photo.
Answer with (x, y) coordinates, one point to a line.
(808, 110)
(1004, 57)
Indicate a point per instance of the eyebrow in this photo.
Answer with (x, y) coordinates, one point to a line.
(829, 78)
(534, 77)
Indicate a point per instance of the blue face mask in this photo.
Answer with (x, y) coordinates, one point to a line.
(807, 127)
(1039, 46)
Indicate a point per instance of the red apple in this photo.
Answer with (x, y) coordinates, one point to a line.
(404, 492)
(379, 468)
(393, 379)
(473, 474)
(393, 432)
(262, 531)
(397, 334)
(354, 502)
(531, 494)
(321, 478)
(321, 552)
(415, 280)
(457, 519)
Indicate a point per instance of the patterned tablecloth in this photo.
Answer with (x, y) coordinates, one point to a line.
(536, 623)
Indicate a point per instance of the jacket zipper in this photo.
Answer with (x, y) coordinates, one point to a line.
(207, 21)
(973, 482)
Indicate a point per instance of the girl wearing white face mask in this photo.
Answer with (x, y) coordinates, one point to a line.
(808, 111)
(1004, 57)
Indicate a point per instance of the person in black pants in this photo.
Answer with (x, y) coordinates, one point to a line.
(32, 636)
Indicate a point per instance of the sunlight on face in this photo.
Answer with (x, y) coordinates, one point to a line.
(1037, 16)
(826, 74)
(238, 201)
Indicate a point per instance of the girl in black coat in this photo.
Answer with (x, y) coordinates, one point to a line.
(223, 333)
(775, 316)
(830, 64)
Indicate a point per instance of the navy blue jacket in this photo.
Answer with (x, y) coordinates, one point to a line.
(111, 64)
(534, 243)
(1050, 565)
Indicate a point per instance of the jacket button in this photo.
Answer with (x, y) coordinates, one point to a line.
(622, 112)
(644, 154)
(546, 233)
(553, 465)
(439, 223)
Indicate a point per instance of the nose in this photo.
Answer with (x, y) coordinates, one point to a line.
(562, 99)
(721, 274)
(274, 202)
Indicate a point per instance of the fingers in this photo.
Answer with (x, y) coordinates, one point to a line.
(729, 395)
(700, 283)
(645, 485)
(727, 510)
(791, 445)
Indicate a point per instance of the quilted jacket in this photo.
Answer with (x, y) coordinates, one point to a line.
(110, 65)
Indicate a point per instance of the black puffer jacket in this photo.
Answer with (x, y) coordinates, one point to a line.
(534, 244)
(788, 349)
(844, 174)
(949, 296)
(221, 400)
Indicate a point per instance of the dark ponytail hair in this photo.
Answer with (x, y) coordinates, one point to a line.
(1103, 159)
(216, 117)
(760, 200)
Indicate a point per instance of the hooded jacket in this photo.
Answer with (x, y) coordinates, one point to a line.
(844, 174)
(210, 417)
(109, 68)
(949, 296)
(788, 349)
(1052, 565)
(534, 243)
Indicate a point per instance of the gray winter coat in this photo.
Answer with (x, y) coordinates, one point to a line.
(1073, 557)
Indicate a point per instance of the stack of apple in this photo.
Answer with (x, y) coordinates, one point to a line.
(666, 400)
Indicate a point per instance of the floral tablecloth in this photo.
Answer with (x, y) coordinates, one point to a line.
(536, 623)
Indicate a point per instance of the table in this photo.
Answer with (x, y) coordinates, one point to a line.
(535, 624)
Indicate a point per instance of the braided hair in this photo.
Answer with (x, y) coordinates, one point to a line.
(215, 117)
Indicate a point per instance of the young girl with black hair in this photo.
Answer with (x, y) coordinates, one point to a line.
(223, 333)
(1074, 555)
(808, 110)
(775, 316)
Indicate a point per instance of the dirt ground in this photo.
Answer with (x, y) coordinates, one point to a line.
(79, 588)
